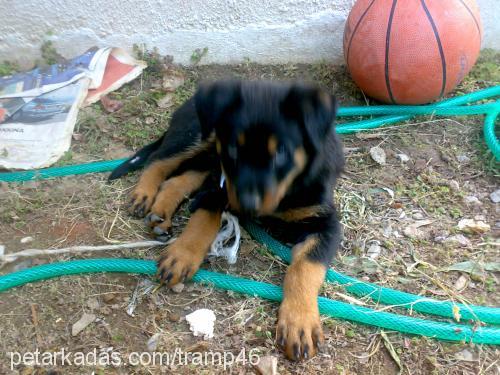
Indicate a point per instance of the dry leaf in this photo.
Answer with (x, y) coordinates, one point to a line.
(111, 105)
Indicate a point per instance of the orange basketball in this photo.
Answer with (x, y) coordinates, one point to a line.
(411, 51)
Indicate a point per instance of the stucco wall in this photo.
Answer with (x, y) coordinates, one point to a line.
(233, 30)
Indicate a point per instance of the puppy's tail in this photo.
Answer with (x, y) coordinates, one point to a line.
(136, 161)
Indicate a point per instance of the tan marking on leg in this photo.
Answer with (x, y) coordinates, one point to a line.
(299, 328)
(180, 260)
(172, 193)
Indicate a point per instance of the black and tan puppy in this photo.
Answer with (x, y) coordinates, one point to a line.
(278, 151)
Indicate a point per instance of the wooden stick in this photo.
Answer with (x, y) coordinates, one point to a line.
(8, 258)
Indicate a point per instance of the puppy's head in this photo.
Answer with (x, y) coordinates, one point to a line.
(266, 135)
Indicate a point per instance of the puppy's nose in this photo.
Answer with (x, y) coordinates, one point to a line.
(249, 202)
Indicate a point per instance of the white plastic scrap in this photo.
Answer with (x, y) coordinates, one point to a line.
(201, 322)
(227, 242)
(143, 288)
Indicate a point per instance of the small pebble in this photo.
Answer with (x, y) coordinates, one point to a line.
(471, 199)
(93, 304)
(459, 239)
(378, 154)
(26, 240)
(268, 365)
(463, 159)
(454, 185)
(495, 196)
(418, 216)
(403, 157)
(178, 288)
(81, 324)
(153, 342)
(105, 310)
(373, 250)
(174, 317)
(108, 298)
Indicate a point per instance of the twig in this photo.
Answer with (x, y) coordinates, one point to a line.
(34, 318)
(28, 253)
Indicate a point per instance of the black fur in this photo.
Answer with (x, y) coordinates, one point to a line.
(276, 146)
(297, 115)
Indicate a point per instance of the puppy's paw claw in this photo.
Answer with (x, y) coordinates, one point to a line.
(299, 333)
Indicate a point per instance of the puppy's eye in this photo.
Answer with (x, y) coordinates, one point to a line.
(280, 156)
(232, 151)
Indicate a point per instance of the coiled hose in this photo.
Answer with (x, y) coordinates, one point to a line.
(446, 331)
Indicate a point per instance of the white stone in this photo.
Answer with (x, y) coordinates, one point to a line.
(458, 239)
(268, 365)
(403, 157)
(495, 196)
(471, 199)
(473, 226)
(463, 159)
(25, 240)
(378, 154)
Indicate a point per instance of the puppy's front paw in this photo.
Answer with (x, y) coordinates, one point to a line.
(141, 201)
(299, 330)
(177, 264)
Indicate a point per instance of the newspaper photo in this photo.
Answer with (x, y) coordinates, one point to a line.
(38, 109)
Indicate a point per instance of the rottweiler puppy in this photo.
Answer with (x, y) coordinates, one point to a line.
(277, 149)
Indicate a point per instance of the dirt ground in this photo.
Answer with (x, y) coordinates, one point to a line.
(437, 172)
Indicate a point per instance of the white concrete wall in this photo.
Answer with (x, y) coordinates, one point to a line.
(264, 31)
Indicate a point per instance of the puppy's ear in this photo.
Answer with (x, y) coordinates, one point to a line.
(314, 109)
(213, 100)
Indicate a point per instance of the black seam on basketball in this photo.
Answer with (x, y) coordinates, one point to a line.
(440, 46)
(474, 18)
(356, 29)
(387, 44)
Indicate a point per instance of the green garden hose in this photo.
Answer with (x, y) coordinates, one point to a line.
(385, 295)
(334, 309)
(391, 114)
